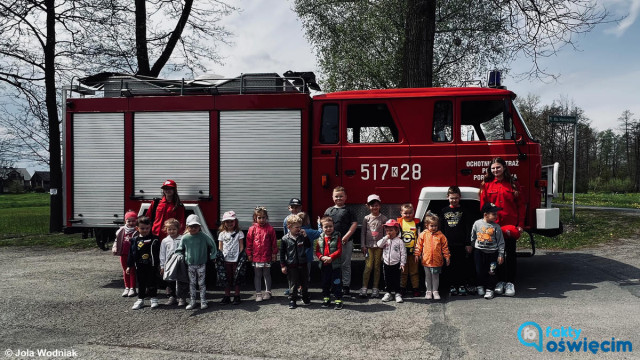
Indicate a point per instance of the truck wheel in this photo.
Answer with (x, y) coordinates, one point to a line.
(102, 239)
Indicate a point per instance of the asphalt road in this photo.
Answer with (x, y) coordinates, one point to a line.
(70, 301)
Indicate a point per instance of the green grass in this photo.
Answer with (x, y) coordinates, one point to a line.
(23, 200)
(591, 227)
(24, 221)
(627, 200)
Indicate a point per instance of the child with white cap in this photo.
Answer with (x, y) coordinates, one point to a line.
(197, 247)
(231, 243)
(371, 232)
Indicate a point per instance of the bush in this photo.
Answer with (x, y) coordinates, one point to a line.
(615, 185)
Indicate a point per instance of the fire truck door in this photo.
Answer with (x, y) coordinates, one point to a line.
(375, 154)
(486, 131)
(326, 151)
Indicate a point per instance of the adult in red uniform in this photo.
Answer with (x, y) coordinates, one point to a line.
(500, 188)
(168, 207)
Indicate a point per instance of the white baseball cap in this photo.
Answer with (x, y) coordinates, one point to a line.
(229, 215)
(373, 197)
(193, 219)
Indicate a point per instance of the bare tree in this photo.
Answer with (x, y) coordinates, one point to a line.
(44, 43)
(626, 124)
(143, 38)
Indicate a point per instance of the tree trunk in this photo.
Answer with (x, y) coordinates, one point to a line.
(142, 52)
(417, 57)
(55, 168)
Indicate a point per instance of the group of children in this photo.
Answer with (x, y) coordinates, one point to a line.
(396, 244)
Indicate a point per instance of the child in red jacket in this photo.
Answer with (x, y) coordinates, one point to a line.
(262, 248)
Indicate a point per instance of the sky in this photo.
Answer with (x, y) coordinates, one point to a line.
(602, 77)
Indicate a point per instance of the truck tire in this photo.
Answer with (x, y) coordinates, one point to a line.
(103, 238)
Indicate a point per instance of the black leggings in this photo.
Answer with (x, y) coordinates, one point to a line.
(392, 277)
(507, 271)
(483, 262)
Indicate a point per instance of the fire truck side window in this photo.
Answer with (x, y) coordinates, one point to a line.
(370, 123)
(329, 131)
(442, 121)
(485, 120)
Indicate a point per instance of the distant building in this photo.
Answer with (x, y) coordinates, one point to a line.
(14, 180)
(41, 179)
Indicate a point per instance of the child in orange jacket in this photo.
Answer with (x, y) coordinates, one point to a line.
(432, 248)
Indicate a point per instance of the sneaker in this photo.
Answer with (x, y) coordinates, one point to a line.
(258, 297)
(126, 292)
(427, 295)
(225, 300)
(306, 302)
(453, 291)
(375, 293)
(489, 294)
(363, 292)
(171, 301)
(416, 293)
(192, 305)
(462, 291)
(339, 305)
(182, 302)
(399, 298)
(509, 289)
(203, 305)
(287, 292)
(132, 292)
(499, 290)
(346, 292)
(480, 290)
(154, 303)
(436, 295)
(326, 302)
(139, 304)
(267, 295)
(236, 300)
(470, 289)
(387, 297)
(292, 304)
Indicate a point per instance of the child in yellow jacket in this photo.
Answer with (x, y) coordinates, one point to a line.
(432, 248)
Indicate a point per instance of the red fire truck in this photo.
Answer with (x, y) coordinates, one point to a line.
(261, 139)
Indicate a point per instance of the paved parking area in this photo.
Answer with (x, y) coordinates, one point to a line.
(70, 301)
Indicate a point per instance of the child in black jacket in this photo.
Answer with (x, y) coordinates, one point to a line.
(293, 260)
(145, 256)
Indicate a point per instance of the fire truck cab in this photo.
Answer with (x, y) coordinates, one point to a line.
(261, 139)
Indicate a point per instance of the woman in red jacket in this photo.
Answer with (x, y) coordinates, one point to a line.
(500, 188)
(168, 207)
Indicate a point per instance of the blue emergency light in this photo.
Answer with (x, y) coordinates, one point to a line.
(495, 79)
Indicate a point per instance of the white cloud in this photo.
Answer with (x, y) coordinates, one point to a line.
(625, 24)
(268, 37)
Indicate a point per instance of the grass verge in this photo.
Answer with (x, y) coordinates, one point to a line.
(24, 221)
(591, 227)
(627, 200)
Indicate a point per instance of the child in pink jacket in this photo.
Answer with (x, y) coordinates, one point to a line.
(432, 248)
(262, 248)
(394, 257)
